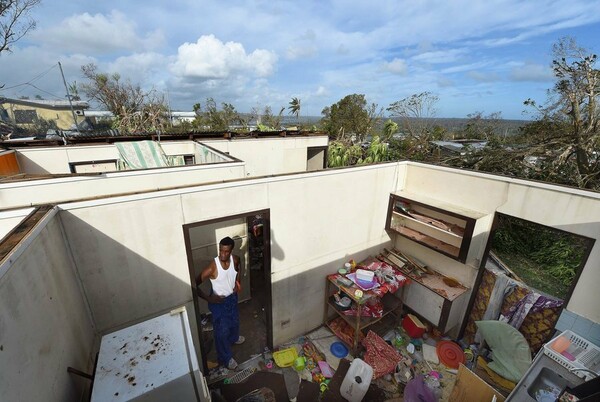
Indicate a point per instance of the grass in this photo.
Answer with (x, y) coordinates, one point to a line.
(533, 274)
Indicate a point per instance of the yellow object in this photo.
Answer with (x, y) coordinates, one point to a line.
(285, 357)
(499, 380)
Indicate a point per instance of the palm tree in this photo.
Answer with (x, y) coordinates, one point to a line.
(294, 108)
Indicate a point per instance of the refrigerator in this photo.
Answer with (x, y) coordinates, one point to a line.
(150, 361)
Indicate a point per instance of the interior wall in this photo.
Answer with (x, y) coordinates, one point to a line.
(270, 156)
(571, 210)
(51, 191)
(131, 255)
(45, 326)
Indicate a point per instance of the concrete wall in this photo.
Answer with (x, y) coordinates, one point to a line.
(270, 156)
(55, 160)
(572, 210)
(45, 326)
(131, 255)
(49, 191)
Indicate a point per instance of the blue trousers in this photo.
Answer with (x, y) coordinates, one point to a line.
(226, 326)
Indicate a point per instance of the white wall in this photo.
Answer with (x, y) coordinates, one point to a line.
(264, 157)
(572, 210)
(131, 255)
(10, 219)
(55, 160)
(44, 322)
(50, 191)
(270, 156)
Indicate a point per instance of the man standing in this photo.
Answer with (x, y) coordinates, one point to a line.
(224, 275)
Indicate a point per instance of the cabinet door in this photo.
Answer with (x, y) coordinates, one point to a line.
(424, 302)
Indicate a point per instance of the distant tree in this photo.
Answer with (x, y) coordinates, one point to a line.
(415, 113)
(294, 108)
(74, 91)
(39, 97)
(573, 105)
(269, 121)
(15, 21)
(215, 118)
(482, 127)
(350, 116)
(135, 110)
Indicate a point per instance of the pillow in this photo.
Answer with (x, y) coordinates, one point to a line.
(510, 351)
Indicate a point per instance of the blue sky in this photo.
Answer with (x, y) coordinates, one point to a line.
(475, 56)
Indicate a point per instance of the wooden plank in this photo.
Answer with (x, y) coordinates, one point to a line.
(471, 388)
(14, 237)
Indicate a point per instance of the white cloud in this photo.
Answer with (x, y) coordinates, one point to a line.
(301, 52)
(209, 58)
(396, 66)
(321, 91)
(99, 33)
(440, 56)
(531, 72)
(483, 76)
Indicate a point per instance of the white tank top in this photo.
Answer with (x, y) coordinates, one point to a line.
(225, 282)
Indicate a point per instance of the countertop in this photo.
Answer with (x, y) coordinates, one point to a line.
(519, 394)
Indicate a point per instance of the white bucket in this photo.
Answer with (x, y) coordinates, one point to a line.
(357, 381)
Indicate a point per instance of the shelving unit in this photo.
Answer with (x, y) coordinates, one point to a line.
(391, 304)
(432, 295)
(443, 230)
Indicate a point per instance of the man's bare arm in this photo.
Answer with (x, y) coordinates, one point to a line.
(206, 274)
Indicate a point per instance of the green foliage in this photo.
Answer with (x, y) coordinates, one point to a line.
(294, 107)
(389, 129)
(269, 121)
(557, 253)
(343, 154)
(346, 154)
(350, 116)
(135, 110)
(211, 118)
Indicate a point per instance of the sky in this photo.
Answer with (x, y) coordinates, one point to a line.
(476, 56)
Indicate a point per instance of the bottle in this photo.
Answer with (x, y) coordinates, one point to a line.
(357, 381)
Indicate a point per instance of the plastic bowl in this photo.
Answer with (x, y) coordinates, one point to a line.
(338, 349)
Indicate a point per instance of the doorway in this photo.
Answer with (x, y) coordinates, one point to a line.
(532, 270)
(251, 234)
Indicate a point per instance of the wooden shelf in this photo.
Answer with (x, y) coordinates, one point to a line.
(390, 303)
(441, 230)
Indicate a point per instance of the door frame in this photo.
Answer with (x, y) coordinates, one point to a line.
(266, 265)
(495, 224)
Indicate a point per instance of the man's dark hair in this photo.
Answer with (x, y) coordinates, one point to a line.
(227, 241)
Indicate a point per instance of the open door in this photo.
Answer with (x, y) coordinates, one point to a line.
(254, 305)
(204, 242)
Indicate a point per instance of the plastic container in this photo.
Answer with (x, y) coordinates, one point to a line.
(285, 357)
(357, 381)
(364, 275)
(413, 326)
(581, 354)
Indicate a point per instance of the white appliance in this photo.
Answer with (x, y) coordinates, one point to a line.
(154, 360)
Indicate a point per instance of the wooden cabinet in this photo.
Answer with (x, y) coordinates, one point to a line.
(444, 229)
(391, 304)
(433, 296)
